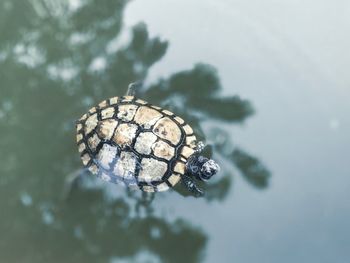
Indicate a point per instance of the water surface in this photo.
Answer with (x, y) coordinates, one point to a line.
(265, 83)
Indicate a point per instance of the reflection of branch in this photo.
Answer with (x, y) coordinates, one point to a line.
(44, 109)
(199, 89)
(219, 190)
(251, 168)
(228, 108)
(131, 232)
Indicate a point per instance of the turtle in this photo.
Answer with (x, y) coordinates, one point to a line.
(127, 140)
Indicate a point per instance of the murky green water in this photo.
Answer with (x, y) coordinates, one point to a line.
(266, 84)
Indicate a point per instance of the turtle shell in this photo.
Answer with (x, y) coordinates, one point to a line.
(127, 140)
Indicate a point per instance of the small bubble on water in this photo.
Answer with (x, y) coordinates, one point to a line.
(155, 233)
(87, 101)
(78, 232)
(26, 199)
(47, 217)
(98, 64)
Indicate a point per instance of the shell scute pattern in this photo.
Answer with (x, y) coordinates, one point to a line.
(125, 139)
(144, 142)
(126, 112)
(152, 170)
(91, 123)
(126, 166)
(107, 113)
(113, 101)
(93, 142)
(162, 149)
(147, 117)
(125, 134)
(105, 129)
(167, 129)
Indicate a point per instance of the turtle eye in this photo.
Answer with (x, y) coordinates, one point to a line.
(201, 159)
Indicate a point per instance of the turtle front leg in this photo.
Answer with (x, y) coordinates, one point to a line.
(199, 147)
(204, 149)
(191, 186)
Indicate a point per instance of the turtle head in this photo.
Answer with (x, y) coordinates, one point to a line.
(203, 168)
(208, 169)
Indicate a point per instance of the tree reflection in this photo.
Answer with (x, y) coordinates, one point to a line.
(115, 229)
(55, 62)
(199, 89)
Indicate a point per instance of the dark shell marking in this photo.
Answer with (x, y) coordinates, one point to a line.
(127, 140)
